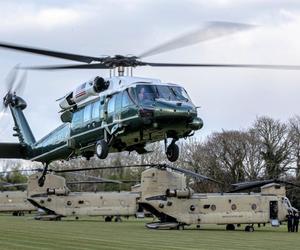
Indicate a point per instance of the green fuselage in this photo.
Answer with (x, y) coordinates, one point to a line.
(126, 119)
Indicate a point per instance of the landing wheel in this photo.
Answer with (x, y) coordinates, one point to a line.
(230, 227)
(118, 219)
(180, 227)
(249, 229)
(172, 152)
(101, 149)
(108, 218)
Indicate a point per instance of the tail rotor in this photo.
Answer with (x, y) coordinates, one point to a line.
(13, 85)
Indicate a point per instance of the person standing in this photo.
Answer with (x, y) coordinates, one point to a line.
(290, 222)
(295, 222)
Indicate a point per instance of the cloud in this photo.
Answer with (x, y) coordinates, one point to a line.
(230, 98)
(17, 17)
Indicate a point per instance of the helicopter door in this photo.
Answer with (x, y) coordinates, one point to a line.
(274, 213)
(110, 110)
(129, 110)
(117, 115)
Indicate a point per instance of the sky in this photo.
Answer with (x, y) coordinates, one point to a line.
(229, 98)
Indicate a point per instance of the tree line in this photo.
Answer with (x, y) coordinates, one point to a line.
(268, 149)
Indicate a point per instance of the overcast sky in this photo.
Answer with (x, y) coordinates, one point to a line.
(229, 98)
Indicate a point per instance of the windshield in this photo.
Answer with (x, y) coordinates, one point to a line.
(148, 93)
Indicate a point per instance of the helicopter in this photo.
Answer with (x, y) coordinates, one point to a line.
(165, 194)
(118, 113)
(57, 201)
(54, 200)
(15, 202)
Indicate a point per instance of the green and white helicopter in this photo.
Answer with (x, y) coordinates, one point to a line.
(118, 113)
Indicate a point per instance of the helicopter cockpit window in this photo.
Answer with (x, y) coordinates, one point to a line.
(165, 92)
(180, 94)
(146, 93)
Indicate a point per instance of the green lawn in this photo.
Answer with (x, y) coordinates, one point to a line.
(94, 233)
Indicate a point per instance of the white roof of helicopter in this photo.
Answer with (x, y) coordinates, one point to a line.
(119, 83)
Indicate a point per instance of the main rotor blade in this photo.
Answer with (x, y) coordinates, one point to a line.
(216, 65)
(75, 66)
(45, 52)
(210, 31)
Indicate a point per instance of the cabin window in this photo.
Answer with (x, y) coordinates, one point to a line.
(126, 101)
(213, 207)
(206, 206)
(233, 207)
(118, 102)
(77, 118)
(111, 104)
(87, 113)
(96, 110)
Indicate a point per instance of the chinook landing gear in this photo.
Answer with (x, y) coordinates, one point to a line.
(172, 151)
(108, 218)
(249, 228)
(230, 227)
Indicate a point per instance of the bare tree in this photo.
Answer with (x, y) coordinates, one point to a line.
(294, 133)
(276, 145)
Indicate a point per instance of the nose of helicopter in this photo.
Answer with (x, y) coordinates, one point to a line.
(196, 123)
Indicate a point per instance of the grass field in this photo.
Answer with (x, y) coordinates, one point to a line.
(94, 233)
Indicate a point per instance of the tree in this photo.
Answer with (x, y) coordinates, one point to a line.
(276, 145)
(294, 134)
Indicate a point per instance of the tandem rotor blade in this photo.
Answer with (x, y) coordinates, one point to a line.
(95, 178)
(184, 171)
(45, 52)
(191, 173)
(255, 184)
(22, 170)
(209, 31)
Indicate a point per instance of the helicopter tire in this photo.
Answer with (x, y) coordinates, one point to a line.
(230, 227)
(118, 219)
(101, 149)
(108, 218)
(249, 229)
(172, 152)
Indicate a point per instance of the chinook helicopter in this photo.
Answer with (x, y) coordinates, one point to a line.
(17, 201)
(118, 113)
(57, 201)
(165, 194)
